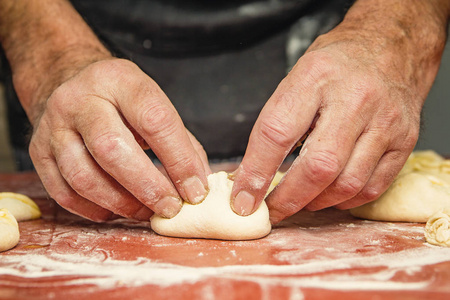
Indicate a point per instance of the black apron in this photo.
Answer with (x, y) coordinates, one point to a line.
(217, 61)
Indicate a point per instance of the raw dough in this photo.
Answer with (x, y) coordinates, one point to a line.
(421, 189)
(9, 230)
(437, 229)
(275, 181)
(214, 218)
(20, 206)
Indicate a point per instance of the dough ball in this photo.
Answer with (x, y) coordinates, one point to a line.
(437, 229)
(427, 160)
(9, 230)
(20, 206)
(275, 181)
(421, 189)
(213, 218)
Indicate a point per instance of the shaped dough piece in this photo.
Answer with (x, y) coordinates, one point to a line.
(437, 229)
(213, 218)
(20, 206)
(420, 190)
(413, 197)
(9, 230)
(427, 160)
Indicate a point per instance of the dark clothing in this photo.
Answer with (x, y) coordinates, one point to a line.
(189, 27)
(218, 61)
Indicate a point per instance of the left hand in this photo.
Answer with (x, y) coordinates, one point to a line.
(362, 101)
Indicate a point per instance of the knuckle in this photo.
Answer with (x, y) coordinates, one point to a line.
(349, 186)
(322, 166)
(317, 64)
(179, 161)
(108, 145)
(390, 117)
(277, 131)
(150, 192)
(157, 119)
(411, 138)
(370, 194)
(61, 103)
(57, 100)
(80, 180)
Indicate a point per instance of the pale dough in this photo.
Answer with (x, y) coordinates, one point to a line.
(214, 218)
(9, 230)
(420, 190)
(20, 206)
(437, 229)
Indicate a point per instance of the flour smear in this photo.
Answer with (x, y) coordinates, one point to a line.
(327, 274)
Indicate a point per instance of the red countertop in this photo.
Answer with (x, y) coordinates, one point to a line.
(312, 255)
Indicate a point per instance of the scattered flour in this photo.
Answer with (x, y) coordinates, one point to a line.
(108, 273)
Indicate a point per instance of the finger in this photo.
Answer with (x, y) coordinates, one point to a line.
(156, 120)
(368, 150)
(115, 149)
(384, 174)
(201, 152)
(85, 176)
(285, 118)
(59, 190)
(321, 159)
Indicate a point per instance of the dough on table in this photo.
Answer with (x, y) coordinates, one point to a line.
(213, 218)
(9, 230)
(421, 189)
(20, 206)
(437, 229)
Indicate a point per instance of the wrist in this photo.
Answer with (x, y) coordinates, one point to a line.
(403, 41)
(53, 70)
(46, 42)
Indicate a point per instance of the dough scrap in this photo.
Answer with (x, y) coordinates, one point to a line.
(420, 190)
(9, 230)
(213, 218)
(437, 229)
(20, 206)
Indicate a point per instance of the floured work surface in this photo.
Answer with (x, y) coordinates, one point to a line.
(326, 254)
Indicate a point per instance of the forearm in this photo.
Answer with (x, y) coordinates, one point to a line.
(402, 38)
(46, 42)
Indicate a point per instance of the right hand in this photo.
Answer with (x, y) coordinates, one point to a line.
(87, 146)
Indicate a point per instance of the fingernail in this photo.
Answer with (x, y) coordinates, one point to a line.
(168, 207)
(244, 203)
(143, 214)
(194, 189)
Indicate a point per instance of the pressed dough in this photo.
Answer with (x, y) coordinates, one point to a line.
(20, 206)
(437, 229)
(213, 218)
(421, 189)
(9, 230)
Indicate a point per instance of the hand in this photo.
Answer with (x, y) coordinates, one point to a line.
(361, 95)
(86, 146)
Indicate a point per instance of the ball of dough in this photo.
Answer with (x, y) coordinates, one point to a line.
(9, 230)
(412, 197)
(437, 229)
(426, 160)
(421, 189)
(214, 218)
(20, 206)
